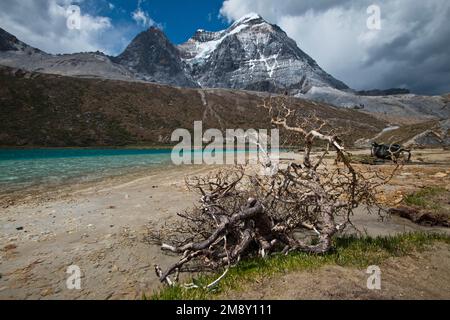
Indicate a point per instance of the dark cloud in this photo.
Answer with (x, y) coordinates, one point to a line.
(411, 50)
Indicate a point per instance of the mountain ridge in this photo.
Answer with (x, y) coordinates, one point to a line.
(57, 111)
(43, 110)
(155, 59)
(222, 59)
(250, 55)
(253, 54)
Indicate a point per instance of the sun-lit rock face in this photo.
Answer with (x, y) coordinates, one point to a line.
(255, 55)
(251, 54)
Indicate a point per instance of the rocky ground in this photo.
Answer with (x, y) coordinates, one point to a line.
(101, 228)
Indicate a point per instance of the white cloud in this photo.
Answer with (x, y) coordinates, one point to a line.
(412, 42)
(142, 18)
(43, 24)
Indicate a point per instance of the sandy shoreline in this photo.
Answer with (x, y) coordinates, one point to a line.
(101, 228)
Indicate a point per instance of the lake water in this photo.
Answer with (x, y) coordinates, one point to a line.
(21, 169)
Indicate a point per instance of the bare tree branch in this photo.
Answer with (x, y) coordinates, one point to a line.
(242, 214)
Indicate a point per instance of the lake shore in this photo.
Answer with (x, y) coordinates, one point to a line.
(101, 227)
(68, 188)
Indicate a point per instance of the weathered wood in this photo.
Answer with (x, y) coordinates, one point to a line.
(242, 215)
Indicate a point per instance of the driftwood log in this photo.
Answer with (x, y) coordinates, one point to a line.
(243, 214)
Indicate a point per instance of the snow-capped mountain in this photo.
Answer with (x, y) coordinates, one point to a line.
(253, 55)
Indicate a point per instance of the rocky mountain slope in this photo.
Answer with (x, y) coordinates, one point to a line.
(250, 55)
(395, 107)
(48, 110)
(15, 53)
(152, 57)
(8, 42)
(253, 55)
(425, 134)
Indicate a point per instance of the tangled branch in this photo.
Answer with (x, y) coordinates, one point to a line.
(242, 214)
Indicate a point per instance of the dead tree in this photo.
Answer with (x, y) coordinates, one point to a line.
(243, 214)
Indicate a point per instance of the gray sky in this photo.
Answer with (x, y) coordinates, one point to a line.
(412, 48)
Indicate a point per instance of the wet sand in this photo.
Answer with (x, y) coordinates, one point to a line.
(100, 228)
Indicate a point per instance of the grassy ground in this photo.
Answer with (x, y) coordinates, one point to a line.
(430, 198)
(348, 252)
(404, 133)
(365, 159)
(428, 206)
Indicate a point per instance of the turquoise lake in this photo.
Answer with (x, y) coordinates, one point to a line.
(24, 168)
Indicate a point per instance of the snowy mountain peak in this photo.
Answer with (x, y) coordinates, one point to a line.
(248, 17)
(205, 36)
(200, 47)
(252, 54)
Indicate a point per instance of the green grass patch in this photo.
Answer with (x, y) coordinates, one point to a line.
(365, 159)
(349, 251)
(426, 198)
